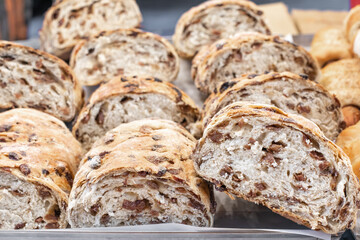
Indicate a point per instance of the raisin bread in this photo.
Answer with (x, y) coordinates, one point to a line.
(125, 99)
(287, 91)
(282, 161)
(140, 173)
(213, 20)
(38, 160)
(34, 79)
(68, 22)
(249, 53)
(124, 52)
(330, 44)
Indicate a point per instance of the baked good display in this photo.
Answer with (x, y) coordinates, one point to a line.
(68, 22)
(140, 173)
(213, 20)
(330, 44)
(249, 53)
(38, 160)
(282, 161)
(349, 141)
(126, 99)
(124, 52)
(342, 78)
(290, 92)
(35, 79)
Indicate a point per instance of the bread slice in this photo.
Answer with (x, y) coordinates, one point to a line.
(213, 20)
(38, 160)
(124, 52)
(249, 53)
(140, 173)
(287, 91)
(125, 99)
(342, 78)
(68, 22)
(282, 161)
(330, 44)
(35, 79)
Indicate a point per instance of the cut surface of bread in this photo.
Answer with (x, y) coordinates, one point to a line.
(140, 173)
(124, 52)
(249, 53)
(342, 78)
(287, 91)
(214, 20)
(282, 161)
(330, 44)
(68, 22)
(34, 79)
(125, 99)
(38, 160)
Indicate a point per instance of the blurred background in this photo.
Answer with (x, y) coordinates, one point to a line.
(22, 19)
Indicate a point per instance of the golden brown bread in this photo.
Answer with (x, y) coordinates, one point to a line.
(351, 115)
(342, 78)
(38, 151)
(140, 173)
(330, 44)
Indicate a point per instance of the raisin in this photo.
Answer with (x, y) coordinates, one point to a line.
(138, 205)
(24, 169)
(13, 156)
(94, 209)
(105, 219)
(20, 225)
(53, 225)
(261, 186)
(299, 177)
(317, 155)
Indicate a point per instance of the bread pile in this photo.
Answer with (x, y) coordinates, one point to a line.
(265, 133)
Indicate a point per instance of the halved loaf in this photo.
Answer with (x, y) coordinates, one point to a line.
(249, 53)
(330, 44)
(282, 161)
(214, 20)
(140, 173)
(124, 52)
(38, 160)
(287, 91)
(34, 79)
(68, 22)
(125, 99)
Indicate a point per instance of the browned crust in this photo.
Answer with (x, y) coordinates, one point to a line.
(123, 85)
(38, 148)
(132, 142)
(186, 18)
(208, 54)
(241, 109)
(352, 19)
(215, 99)
(77, 88)
(130, 33)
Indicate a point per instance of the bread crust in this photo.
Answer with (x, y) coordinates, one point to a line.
(131, 33)
(342, 78)
(330, 44)
(12, 50)
(186, 20)
(123, 85)
(352, 23)
(215, 100)
(44, 147)
(242, 109)
(207, 55)
(135, 138)
(54, 42)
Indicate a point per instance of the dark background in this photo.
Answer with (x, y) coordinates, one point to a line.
(160, 16)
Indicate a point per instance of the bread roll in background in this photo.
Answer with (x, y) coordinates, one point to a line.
(38, 160)
(246, 54)
(141, 173)
(35, 79)
(282, 161)
(290, 92)
(124, 52)
(125, 99)
(330, 44)
(213, 20)
(68, 22)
